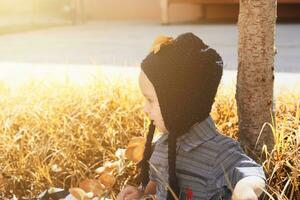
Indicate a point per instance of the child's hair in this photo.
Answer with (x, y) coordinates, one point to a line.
(185, 73)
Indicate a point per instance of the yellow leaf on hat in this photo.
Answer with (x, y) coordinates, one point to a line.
(159, 41)
(108, 180)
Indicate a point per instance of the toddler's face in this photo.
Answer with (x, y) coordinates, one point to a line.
(151, 106)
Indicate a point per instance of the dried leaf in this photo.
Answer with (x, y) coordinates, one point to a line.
(136, 141)
(92, 185)
(90, 195)
(129, 153)
(135, 149)
(108, 167)
(79, 194)
(56, 168)
(137, 154)
(100, 170)
(159, 41)
(120, 153)
(108, 180)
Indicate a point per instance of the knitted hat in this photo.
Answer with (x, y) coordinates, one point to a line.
(185, 73)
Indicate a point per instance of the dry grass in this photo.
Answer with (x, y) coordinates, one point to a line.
(57, 134)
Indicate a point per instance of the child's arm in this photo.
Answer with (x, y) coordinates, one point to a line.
(248, 188)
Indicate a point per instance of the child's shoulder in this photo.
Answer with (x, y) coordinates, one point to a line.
(226, 143)
(224, 139)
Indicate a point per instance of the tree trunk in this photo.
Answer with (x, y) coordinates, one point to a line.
(255, 79)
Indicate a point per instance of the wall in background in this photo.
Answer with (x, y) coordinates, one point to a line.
(134, 9)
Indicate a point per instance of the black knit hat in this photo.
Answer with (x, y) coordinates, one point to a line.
(185, 74)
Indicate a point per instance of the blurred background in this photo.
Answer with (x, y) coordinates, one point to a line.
(89, 33)
(19, 11)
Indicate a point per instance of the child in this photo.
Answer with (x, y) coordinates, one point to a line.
(179, 79)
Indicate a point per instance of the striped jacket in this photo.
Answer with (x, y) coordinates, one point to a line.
(208, 163)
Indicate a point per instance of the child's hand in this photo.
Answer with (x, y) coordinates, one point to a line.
(130, 193)
(248, 188)
(244, 193)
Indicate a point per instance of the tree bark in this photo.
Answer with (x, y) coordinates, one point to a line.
(255, 79)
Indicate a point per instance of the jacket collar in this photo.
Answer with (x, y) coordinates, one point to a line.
(199, 133)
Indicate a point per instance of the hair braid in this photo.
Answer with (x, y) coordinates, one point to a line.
(172, 166)
(144, 165)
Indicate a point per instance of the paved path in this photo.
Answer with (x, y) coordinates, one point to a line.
(127, 43)
(79, 51)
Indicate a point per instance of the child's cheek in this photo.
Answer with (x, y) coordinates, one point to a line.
(147, 108)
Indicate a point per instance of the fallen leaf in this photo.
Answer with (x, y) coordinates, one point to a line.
(135, 149)
(90, 194)
(137, 154)
(78, 193)
(136, 141)
(100, 170)
(108, 180)
(92, 185)
(108, 167)
(120, 153)
(129, 152)
(56, 168)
